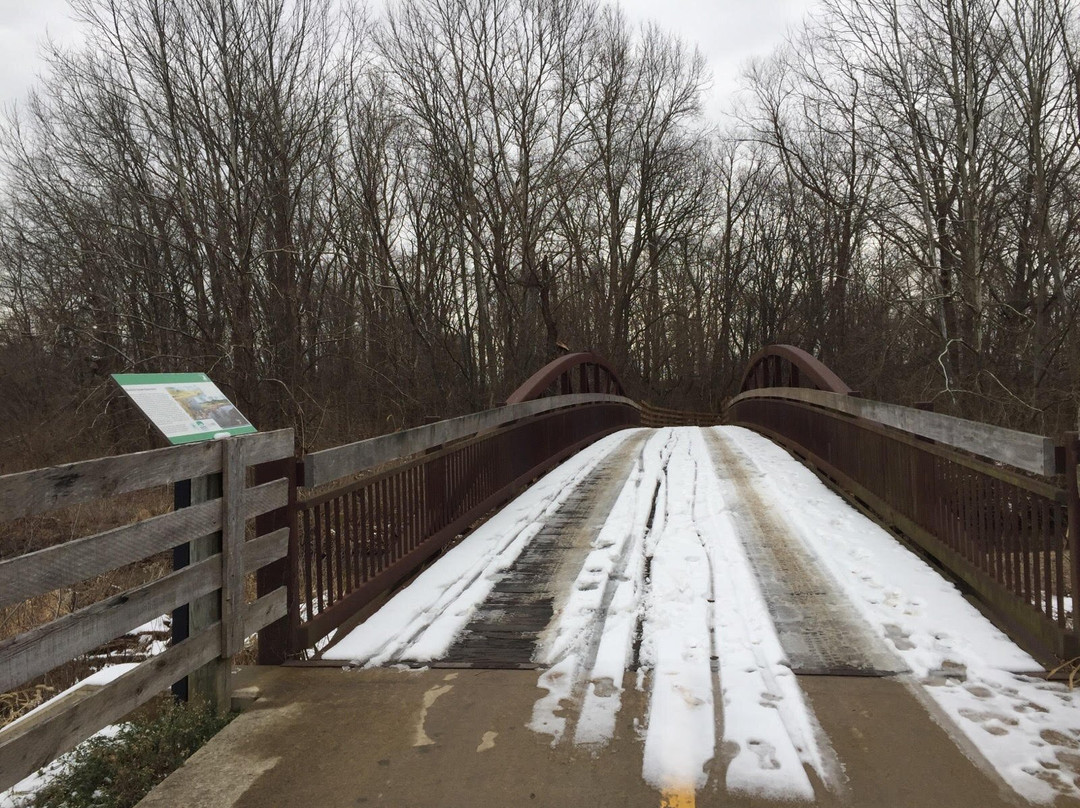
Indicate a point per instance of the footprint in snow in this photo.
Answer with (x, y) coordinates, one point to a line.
(689, 697)
(766, 754)
(988, 717)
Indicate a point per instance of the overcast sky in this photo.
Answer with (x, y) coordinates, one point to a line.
(728, 32)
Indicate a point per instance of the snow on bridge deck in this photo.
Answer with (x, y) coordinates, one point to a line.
(705, 569)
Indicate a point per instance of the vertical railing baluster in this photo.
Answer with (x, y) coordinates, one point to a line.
(1072, 499)
(308, 551)
(1061, 548)
(338, 539)
(1048, 571)
(320, 590)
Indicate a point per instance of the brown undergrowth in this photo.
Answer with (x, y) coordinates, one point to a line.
(35, 533)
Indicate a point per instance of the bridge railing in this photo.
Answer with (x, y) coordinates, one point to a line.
(215, 582)
(657, 417)
(985, 502)
(371, 513)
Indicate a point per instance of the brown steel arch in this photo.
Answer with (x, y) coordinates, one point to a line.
(788, 366)
(583, 372)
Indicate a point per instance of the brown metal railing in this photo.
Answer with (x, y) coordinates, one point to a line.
(362, 536)
(582, 372)
(657, 417)
(1003, 532)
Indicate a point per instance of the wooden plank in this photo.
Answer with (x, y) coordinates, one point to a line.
(234, 479)
(353, 458)
(39, 650)
(66, 564)
(262, 447)
(40, 490)
(265, 611)
(28, 746)
(1022, 450)
(32, 492)
(263, 550)
(29, 575)
(260, 499)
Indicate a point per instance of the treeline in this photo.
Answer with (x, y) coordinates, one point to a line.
(356, 223)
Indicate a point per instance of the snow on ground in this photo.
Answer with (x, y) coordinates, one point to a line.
(676, 636)
(1027, 728)
(22, 793)
(420, 622)
(581, 652)
(764, 709)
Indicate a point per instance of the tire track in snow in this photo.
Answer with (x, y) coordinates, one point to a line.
(699, 602)
(598, 705)
(677, 640)
(592, 637)
(765, 718)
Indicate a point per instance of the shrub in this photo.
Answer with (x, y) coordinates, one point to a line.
(118, 771)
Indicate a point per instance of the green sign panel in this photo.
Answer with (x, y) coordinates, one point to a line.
(186, 407)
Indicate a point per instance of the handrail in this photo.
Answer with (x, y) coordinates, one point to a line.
(765, 369)
(361, 536)
(1022, 450)
(352, 458)
(984, 501)
(561, 369)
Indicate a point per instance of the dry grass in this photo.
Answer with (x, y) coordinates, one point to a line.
(32, 534)
(36, 533)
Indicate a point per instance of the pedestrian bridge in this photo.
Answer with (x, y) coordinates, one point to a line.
(578, 598)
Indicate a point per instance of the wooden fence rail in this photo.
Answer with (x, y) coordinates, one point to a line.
(26, 745)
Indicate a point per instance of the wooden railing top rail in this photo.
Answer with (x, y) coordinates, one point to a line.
(352, 458)
(31, 492)
(1022, 450)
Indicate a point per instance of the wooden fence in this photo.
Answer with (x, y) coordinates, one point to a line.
(27, 745)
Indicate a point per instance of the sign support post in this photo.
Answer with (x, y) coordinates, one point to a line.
(188, 407)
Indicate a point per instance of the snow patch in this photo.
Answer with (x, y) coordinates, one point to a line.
(1028, 729)
(421, 621)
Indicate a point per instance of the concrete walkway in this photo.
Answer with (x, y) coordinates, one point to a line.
(446, 739)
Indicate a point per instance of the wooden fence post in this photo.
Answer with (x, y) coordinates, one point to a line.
(233, 523)
(205, 683)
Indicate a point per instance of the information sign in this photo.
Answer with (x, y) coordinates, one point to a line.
(186, 407)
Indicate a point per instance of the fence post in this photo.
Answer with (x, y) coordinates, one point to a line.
(1072, 497)
(206, 683)
(233, 525)
(275, 639)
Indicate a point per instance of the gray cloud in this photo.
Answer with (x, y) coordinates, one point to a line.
(24, 26)
(727, 33)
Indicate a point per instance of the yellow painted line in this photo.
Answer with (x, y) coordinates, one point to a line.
(677, 798)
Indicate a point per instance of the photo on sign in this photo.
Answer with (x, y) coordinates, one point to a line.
(203, 404)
